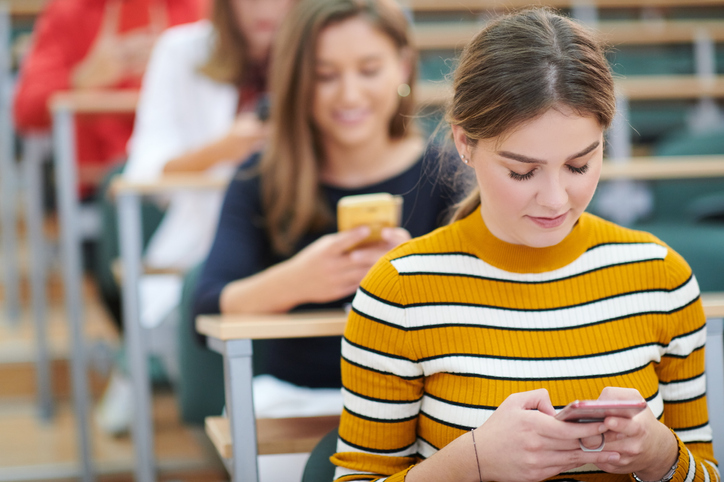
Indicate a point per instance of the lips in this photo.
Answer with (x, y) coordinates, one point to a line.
(548, 223)
(350, 116)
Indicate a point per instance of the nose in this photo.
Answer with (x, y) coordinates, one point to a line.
(350, 88)
(553, 194)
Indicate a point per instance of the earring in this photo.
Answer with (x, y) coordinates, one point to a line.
(464, 159)
(403, 90)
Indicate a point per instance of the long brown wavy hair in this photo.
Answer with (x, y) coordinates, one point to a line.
(291, 195)
(520, 66)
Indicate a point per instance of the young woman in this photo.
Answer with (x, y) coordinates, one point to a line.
(339, 127)
(196, 113)
(462, 344)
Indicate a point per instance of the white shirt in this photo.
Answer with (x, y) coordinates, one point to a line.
(180, 109)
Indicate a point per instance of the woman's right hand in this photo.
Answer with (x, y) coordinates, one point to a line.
(522, 441)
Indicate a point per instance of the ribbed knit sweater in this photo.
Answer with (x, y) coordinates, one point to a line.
(445, 327)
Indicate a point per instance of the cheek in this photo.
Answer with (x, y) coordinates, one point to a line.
(321, 102)
(501, 193)
(583, 191)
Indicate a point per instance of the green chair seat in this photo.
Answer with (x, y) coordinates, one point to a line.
(319, 468)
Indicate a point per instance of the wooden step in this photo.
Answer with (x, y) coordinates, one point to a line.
(32, 449)
(274, 435)
(17, 381)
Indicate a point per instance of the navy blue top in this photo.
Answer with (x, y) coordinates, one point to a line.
(242, 248)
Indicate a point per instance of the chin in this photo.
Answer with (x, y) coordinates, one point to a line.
(546, 240)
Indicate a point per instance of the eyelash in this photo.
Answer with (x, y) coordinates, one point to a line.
(529, 174)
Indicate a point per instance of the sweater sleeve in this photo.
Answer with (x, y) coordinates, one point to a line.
(240, 247)
(56, 50)
(382, 385)
(682, 383)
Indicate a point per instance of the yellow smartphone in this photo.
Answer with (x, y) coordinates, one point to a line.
(378, 211)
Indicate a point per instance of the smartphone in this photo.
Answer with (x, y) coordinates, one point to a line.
(378, 211)
(586, 411)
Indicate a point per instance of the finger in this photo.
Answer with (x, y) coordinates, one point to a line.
(344, 241)
(111, 20)
(159, 17)
(395, 236)
(618, 393)
(571, 431)
(628, 427)
(365, 258)
(533, 400)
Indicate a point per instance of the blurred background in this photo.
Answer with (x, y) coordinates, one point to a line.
(668, 57)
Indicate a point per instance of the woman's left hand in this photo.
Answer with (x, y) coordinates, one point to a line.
(646, 445)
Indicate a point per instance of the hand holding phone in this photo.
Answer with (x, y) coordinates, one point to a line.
(377, 211)
(587, 411)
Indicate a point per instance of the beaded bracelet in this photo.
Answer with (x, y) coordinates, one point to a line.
(477, 460)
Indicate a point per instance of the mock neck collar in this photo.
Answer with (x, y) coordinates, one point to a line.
(518, 258)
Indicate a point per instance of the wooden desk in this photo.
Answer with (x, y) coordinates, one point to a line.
(64, 106)
(128, 195)
(26, 8)
(232, 336)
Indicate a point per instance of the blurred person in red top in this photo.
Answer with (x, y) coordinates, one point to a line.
(93, 44)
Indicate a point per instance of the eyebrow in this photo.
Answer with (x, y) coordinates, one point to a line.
(364, 60)
(532, 160)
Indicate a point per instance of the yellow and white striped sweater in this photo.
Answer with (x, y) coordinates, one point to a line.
(446, 326)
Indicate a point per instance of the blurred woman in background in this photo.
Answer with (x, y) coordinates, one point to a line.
(197, 112)
(341, 86)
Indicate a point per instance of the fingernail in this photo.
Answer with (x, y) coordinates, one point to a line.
(602, 428)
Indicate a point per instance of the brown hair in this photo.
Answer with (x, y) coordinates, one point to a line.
(519, 67)
(228, 61)
(291, 195)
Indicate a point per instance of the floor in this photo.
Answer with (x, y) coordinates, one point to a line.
(33, 449)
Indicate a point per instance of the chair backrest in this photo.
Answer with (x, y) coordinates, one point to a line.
(200, 387)
(689, 199)
(715, 383)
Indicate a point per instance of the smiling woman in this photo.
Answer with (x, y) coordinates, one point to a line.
(338, 128)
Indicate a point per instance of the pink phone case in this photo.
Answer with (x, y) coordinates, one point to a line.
(584, 411)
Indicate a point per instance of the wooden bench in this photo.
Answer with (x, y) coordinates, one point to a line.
(636, 88)
(454, 35)
(481, 5)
